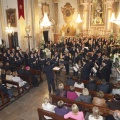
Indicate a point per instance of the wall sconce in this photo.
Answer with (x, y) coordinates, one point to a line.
(9, 29)
(78, 20)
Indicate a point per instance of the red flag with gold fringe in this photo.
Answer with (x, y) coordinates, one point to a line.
(21, 8)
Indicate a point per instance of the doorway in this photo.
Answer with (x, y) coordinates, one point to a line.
(45, 34)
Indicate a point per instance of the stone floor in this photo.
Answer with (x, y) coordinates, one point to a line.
(25, 108)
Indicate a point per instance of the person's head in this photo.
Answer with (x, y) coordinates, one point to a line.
(27, 68)
(7, 63)
(85, 91)
(60, 104)
(104, 62)
(8, 72)
(15, 73)
(22, 66)
(116, 115)
(117, 97)
(61, 86)
(72, 88)
(46, 100)
(100, 94)
(75, 109)
(2, 71)
(96, 112)
(103, 81)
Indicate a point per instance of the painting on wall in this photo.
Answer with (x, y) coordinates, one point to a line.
(11, 17)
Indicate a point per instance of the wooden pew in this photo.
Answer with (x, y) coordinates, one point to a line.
(5, 100)
(42, 112)
(87, 81)
(86, 107)
(37, 72)
(28, 79)
(20, 90)
(92, 93)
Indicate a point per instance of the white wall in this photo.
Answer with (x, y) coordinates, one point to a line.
(11, 4)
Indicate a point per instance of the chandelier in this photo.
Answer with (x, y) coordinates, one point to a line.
(112, 19)
(78, 20)
(9, 29)
(117, 20)
(45, 22)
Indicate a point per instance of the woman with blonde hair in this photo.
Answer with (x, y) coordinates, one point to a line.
(85, 97)
(99, 100)
(9, 77)
(60, 91)
(22, 83)
(46, 105)
(75, 113)
(95, 115)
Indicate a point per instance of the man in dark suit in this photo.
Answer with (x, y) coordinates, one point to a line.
(85, 72)
(105, 71)
(48, 70)
(92, 84)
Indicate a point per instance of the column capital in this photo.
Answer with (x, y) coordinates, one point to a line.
(109, 3)
(55, 1)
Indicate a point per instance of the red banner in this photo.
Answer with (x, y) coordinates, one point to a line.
(21, 8)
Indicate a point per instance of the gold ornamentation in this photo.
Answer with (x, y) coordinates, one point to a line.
(68, 12)
(69, 30)
(97, 9)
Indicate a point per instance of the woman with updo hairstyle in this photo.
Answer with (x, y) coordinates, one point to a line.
(60, 91)
(61, 109)
(95, 115)
(46, 105)
(85, 97)
(99, 100)
(75, 113)
(71, 94)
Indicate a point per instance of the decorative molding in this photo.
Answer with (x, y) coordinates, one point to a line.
(68, 12)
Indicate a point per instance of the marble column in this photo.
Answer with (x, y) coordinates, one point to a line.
(56, 35)
(2, 22)
(85, 18)
(109, 27)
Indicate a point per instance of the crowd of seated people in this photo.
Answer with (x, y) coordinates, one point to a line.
(97, 100)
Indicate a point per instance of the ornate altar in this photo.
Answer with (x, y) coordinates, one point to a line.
(67, 29)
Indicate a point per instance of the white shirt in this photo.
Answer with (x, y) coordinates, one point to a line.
(19, 80)
(78, 86)
(92, 118)
(48, 107)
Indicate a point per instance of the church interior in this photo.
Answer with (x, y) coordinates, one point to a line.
(60, 59)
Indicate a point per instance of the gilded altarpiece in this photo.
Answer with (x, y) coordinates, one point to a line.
(97, 15)
(68, 29)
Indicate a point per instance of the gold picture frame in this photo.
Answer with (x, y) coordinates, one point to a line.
(68, 12)
(11, 17)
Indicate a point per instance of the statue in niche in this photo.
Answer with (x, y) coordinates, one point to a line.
(98, 13)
